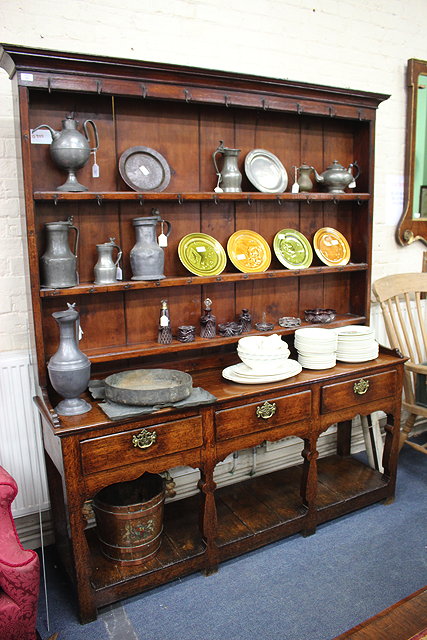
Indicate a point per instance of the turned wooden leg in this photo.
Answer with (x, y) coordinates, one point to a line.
(308, 488)
(208, 517)
(407, 428)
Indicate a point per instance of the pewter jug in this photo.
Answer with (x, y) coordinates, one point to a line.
(304, 182)
(69, 368)
(105, 269)
(146, 257)
(70, 150)
(336, 177)
(58, 264)
(229, 178)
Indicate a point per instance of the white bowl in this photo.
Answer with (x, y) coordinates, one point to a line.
(261, 363)
(263, 345)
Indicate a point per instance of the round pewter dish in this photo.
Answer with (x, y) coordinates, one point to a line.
(148, 386)
(144, 169)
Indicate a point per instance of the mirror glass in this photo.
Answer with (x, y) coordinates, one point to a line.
(413, 224)
(419, 208)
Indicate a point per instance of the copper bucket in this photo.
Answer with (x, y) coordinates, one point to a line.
(129, 518)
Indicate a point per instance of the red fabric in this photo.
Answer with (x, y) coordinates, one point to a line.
(19, 572)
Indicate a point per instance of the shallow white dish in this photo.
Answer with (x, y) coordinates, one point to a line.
(317, 365)
(293, 368)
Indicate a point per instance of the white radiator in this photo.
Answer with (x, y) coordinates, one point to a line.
(21, 451)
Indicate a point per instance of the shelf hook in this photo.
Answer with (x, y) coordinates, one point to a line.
(99, 199)
(180, 198)
(141, 199)
(300, 108)
(55, 199)
(49, 85)
(187, 95)
(98, 86)
(331, 112)
(227, 101)
(308, 200)
(359, 202)
(215, 199)
(249, 201)
(264, 104)
(144, 90)
(279, 201)
(335, 201)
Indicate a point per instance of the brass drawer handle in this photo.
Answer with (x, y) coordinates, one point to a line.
(361, 386)
(144, 439)
(266, 410)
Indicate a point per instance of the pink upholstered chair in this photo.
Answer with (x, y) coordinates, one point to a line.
(19, 572)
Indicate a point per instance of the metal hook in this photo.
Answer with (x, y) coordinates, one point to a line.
(144, 90)
(49, 86)
(215, 199)
(226, 100)
(99, 199)
(331, 112)
(264, 104)
(279, 201)
(249, 201)
(180, 198)
(335, 201)
(98, 86)
(359, 114)
(141, 199)
(359, 202)
(308, 200)
(300, 108)
(55, 199)
(187, 95)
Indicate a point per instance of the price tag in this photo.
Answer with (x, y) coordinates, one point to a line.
(144, 170)
(80, 333)
(95, 166)
(119, 274)
(164, 321)
(295, 188)
(163, 240)
(352, 184)
(42, 136)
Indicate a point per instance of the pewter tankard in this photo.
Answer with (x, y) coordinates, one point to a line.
(58, 264)
(229, 178)
(105, 269)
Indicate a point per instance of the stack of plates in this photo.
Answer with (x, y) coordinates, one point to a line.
(245, 375)
(356, 343)
(316, 348)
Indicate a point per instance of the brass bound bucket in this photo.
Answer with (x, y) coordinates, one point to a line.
(129, 518)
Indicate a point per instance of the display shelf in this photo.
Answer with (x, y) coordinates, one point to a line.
(118, 352)
(99, 196)
(183, 281)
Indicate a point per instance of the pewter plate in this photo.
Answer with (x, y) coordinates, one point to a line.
(148, 386)
(144, 169)
(265, 171)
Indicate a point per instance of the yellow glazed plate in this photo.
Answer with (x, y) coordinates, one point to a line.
(331, 247)
(202, 255)
(248, 251)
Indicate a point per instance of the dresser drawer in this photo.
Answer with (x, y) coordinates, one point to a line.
(118, 449)
(341, 395)
(245, 419)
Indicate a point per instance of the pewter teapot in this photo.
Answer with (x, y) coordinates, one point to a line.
(336, 177)
(70, 150)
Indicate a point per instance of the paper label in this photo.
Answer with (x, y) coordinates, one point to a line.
(200, 249)
(95, 170)
(42, 136)
(27, 77)
(352, 184)
(281, 236)
(119, 274)
(144, 170)
(241, 256)
(295, 188)
(80, 333)
(164, 321)
(163, 241)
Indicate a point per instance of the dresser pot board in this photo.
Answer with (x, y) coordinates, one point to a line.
(175, 117)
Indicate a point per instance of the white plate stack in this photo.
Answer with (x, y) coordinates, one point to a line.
(356, 343)
(316, 347)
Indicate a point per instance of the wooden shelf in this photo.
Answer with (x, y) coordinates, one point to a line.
(107, 354)
(99, 196)
(183, 281)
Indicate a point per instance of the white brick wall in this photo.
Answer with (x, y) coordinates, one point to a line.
(357, 44)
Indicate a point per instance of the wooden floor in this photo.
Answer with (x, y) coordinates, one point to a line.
(405, 620)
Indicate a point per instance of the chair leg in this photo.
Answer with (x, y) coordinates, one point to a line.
(407, 428)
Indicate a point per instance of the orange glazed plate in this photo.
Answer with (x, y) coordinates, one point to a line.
(331, 247)
(248, 251)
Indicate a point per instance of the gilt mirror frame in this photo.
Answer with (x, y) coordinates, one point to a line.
(413, 223)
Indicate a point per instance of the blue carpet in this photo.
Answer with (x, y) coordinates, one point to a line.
(297, 589)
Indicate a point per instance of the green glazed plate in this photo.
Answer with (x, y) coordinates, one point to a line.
(292, 249)
(202, 255)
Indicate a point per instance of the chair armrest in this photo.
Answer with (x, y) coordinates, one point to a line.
(416, 368)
